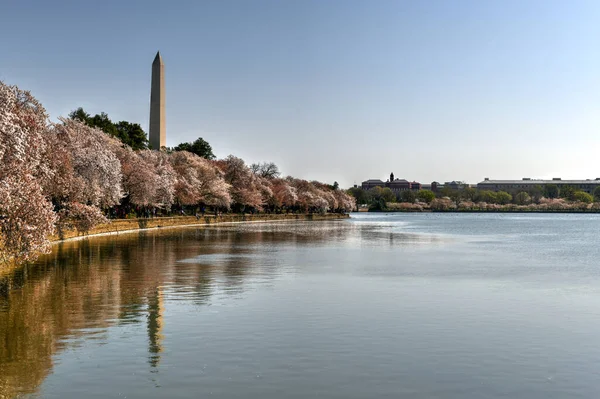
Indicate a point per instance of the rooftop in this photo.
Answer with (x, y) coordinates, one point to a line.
(540, 181)
(400, 181)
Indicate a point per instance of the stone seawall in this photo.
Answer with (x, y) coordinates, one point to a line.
(117, 226)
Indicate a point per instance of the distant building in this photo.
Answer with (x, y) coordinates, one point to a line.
(399, 185)
(415, 186)
(455, 185)
(372, 183)
(396, 185)
(526, 184)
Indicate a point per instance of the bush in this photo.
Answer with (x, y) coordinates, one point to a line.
(426, 196)
(404, 207)
(377, 205)
(503, 198)
(584, 197)
(407, 196)
(442, 204)
(466, 205)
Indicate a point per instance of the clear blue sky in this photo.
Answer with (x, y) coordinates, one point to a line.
(333, 90)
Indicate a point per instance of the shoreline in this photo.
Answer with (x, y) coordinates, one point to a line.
(485, 211)
(128, 226)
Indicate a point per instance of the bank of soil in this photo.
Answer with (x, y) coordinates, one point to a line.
(117, 226)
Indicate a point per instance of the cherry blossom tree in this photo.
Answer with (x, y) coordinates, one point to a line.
(442, 204)
(90, 172)
(245, 185)
(346, 202)
(162, 190)
(139, 178)
(26, 216)
(324, 192)
(310, 197)
(71, 172)
(284, 195)
(81, 217)
(268, 170)
(199, 181)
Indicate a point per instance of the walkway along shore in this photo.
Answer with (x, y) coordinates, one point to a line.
(122, 226)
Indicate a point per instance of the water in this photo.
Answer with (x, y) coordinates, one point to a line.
(379, 306)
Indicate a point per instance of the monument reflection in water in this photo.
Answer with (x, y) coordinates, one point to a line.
(378, 306)
(86, 286)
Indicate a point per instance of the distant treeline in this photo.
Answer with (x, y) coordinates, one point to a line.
(550, 195)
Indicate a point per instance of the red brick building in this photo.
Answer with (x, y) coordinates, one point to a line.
(396, 185)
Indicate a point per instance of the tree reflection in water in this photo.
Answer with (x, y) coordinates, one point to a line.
(85, 287)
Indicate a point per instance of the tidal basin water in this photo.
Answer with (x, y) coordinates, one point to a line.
(377, 306)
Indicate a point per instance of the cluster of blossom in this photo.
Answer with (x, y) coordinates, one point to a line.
(545, 204)
(68, 173)
(442, 204)
(251, 190)
(26, 213)
(559, 204)
(81, 217)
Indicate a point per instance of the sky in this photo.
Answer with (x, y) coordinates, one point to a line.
(332, 90)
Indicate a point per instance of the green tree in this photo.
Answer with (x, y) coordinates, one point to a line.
(426, 196)
(375, 192)
(362, 196)
(551, 191)
(336, 185)
(407, 196)
(522, 198)
(132, 134)
(378, 205)
(199, 147)
(377, 202)
(103, 122)
(80, 115)
(487, 196)
(536, 192)
(503, 198)
(468, 193)
(567, 192)
(597, 194)
(447, 192)
(582, 196)
(388, 195)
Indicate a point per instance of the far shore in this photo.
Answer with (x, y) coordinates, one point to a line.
(481, 211)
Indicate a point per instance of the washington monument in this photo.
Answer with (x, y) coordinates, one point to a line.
(158, 130)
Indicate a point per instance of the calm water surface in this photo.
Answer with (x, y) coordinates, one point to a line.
(379, 306)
